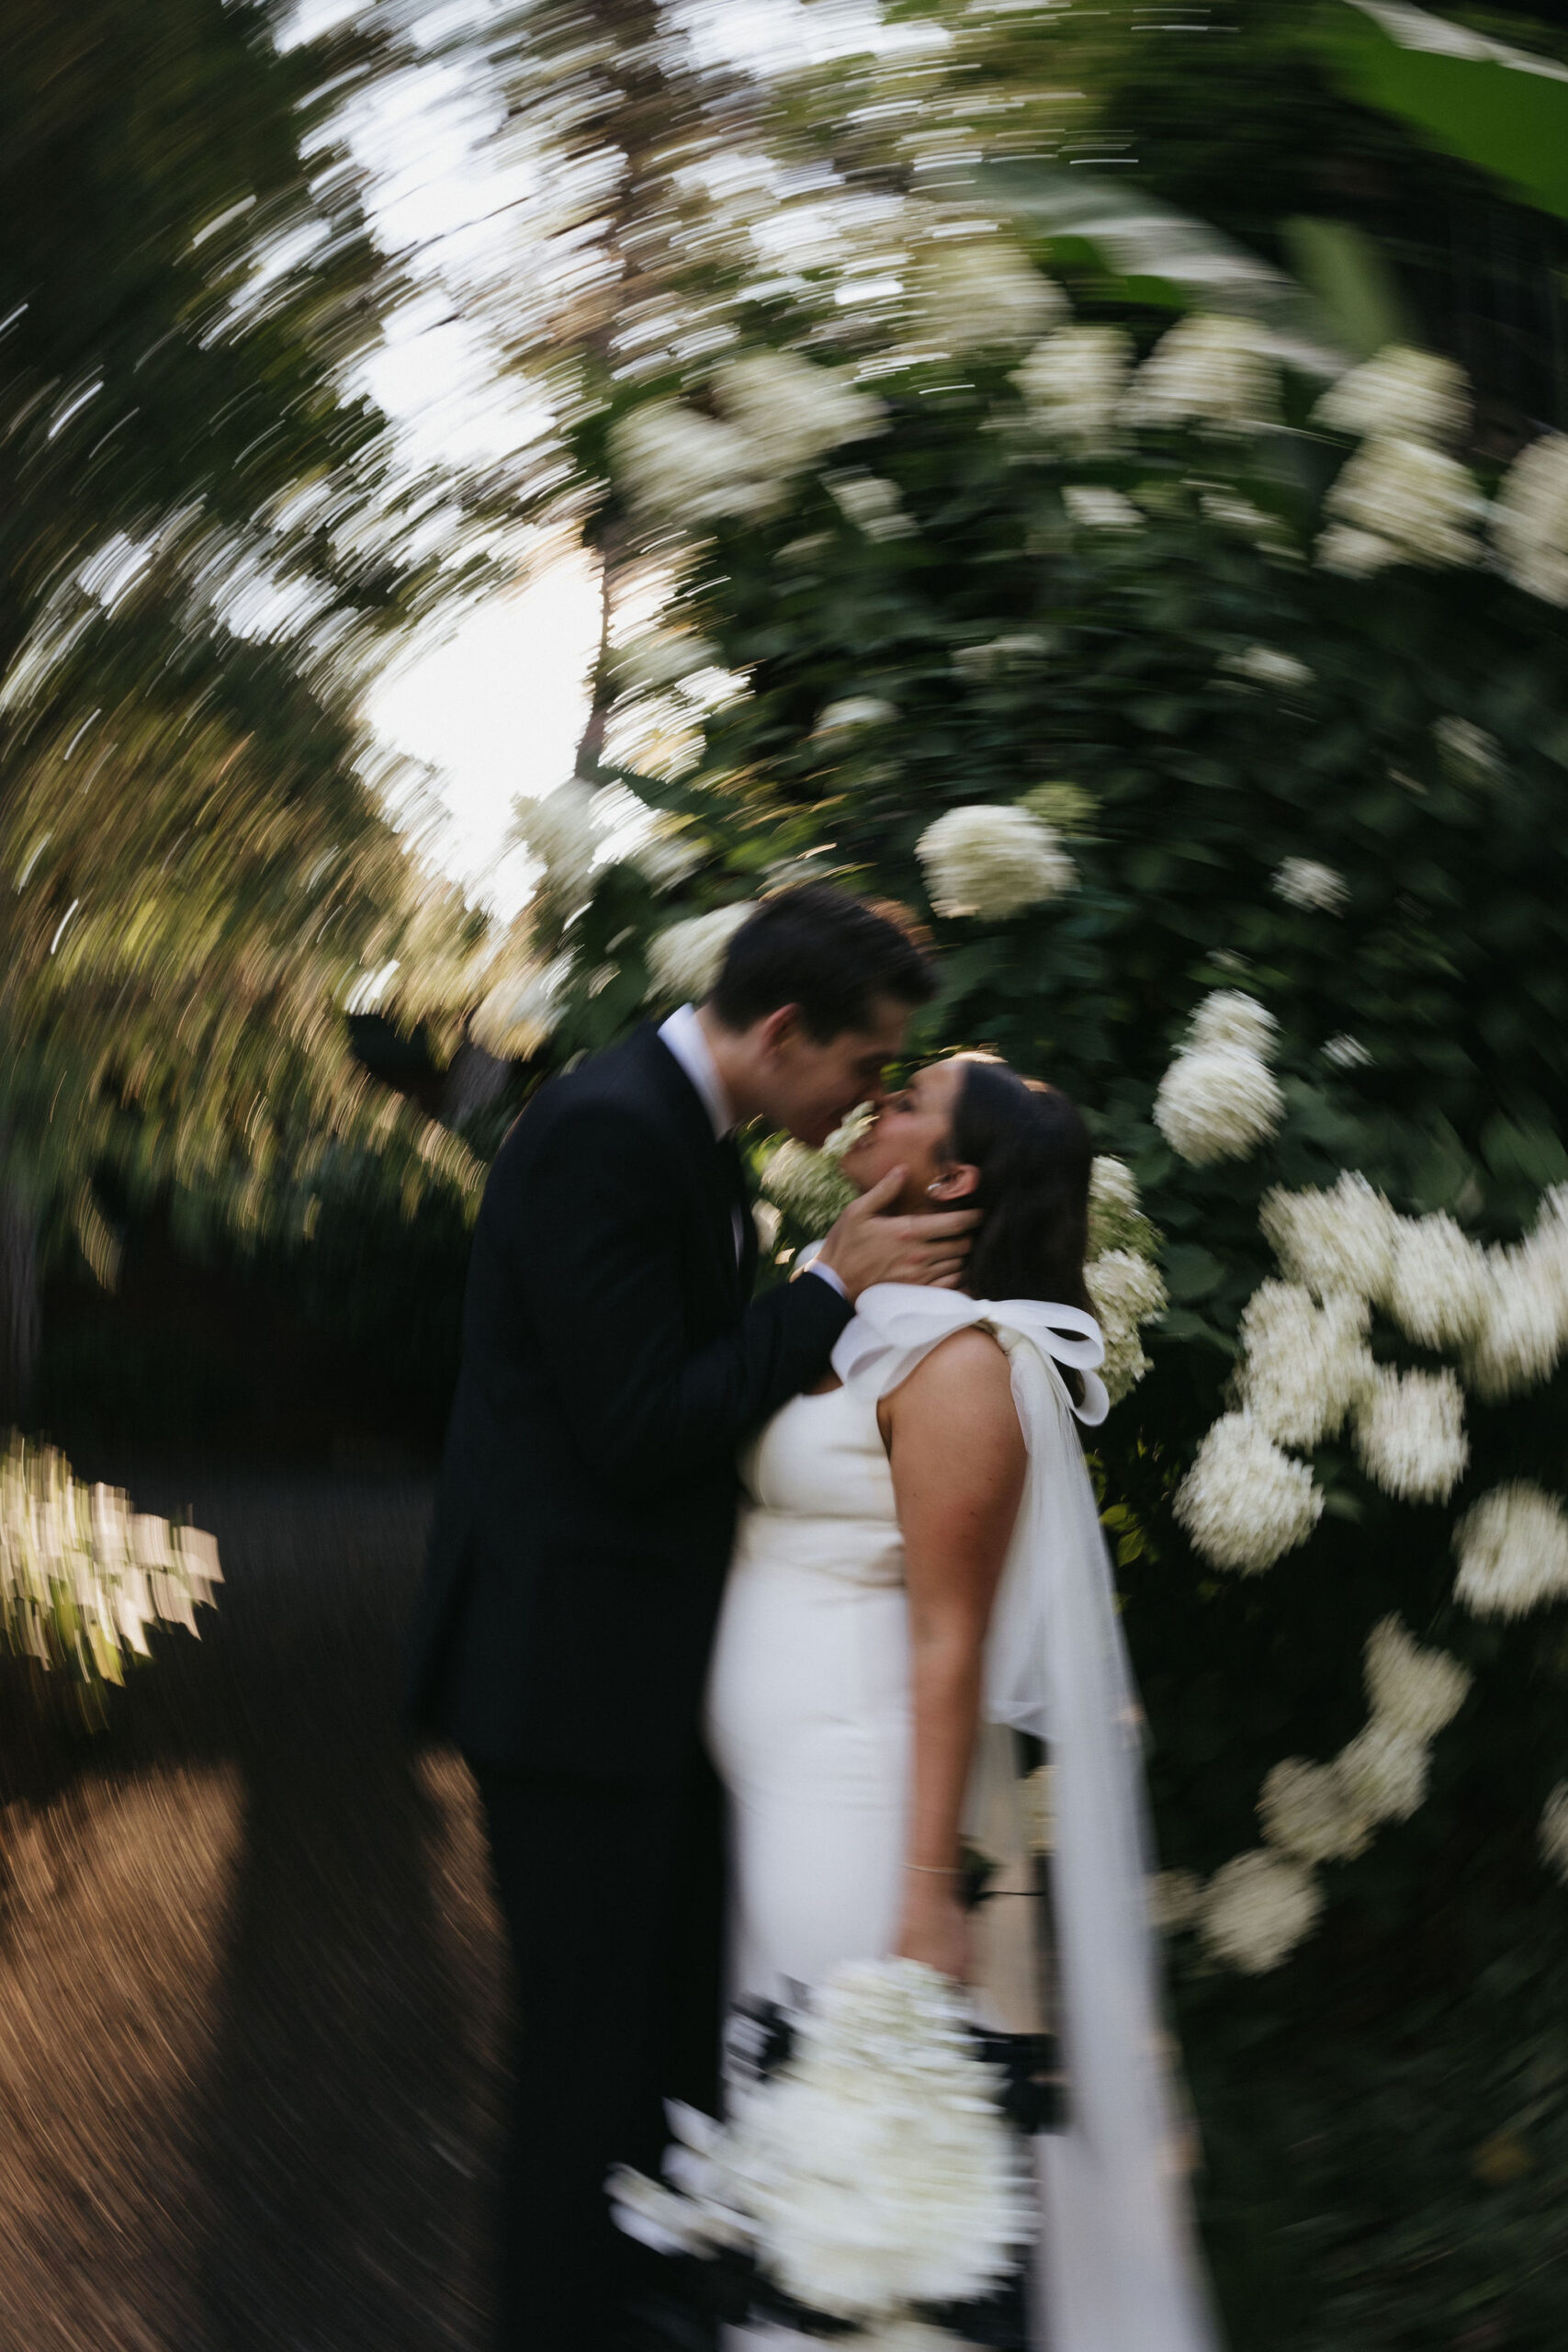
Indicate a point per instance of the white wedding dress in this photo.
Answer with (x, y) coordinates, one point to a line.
(809, 1722)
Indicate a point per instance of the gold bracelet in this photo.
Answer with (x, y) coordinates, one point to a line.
(934, 1870)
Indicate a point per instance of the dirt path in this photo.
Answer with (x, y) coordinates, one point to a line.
(250, 1986)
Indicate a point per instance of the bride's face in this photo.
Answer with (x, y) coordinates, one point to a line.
(913, 1130)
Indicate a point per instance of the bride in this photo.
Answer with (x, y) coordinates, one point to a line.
(919, 1577)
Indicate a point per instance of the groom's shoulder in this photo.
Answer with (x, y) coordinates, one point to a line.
(617, 1087)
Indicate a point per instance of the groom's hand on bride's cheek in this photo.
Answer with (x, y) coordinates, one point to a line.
(868, 1245)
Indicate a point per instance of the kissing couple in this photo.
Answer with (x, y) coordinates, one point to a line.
(734, 1603)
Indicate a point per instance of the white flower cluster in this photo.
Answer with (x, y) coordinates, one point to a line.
(1098, 508)
(981, 294)
(1512, 1548)
(809, 1187)
(1209, 370)
(1246, 1502)
(1116, 1219)
(1529, 519)
(521, 1011)
(82, 1575)
(1265, 665)
(1504, 1310)
(1341, 1240)
(1219, 1100)
(870, 502)
(1316, 889)
(1302, 1365)
(1073, 384)
(1410, 1434)
(1410, 1689)
(1409, 394)
(1553, 1832)
(873, 2173)
(686, 959)
(992, 861)
(562, 831)
(1399, 502)
(1255, 1910)
(1126, 1291)
(779, 413)
(852, 712)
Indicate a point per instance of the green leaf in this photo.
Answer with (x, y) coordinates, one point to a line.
(1190, 1271)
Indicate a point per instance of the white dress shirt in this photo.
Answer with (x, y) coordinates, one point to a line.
(684, 1035)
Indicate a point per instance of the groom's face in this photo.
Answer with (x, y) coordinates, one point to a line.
(812, 1083)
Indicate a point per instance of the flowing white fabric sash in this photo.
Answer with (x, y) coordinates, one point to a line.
(1119, 2272)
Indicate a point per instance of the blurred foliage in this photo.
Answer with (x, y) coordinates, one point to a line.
(204, 537)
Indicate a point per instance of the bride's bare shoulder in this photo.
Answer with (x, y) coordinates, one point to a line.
(967, 1371)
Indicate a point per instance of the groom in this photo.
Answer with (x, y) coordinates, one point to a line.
(611, 1363)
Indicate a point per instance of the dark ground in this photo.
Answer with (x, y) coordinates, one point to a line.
(250, 1986)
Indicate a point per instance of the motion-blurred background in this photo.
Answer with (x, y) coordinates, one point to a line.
(487, 490)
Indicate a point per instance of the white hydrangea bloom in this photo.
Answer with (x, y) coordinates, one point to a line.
(1116, 1219)
(1230, 1017)
(522, 1012)
(1469, 748)
(1209, 370)
(870, 502)
(1099, 509)
(1416, 1691)
(982, 294)
(992, 861)
(1553, 1832)
(1315, 889)
(1174, 1898)
(666, 852)
(1523, 1324)
(1384, 1771)
(678, 466)
(82, 1575)
(1073, 384)
(1217, 1103)
(662, 658)
(996, 653)
(855, 2214)
(1439, 1287)
(1265, 665)
(809, 1187)
(1411, 395)
(818, 2175)
(563, 831)
(684, 959)
(1410, 1434)
(1529, 519)
(1232, 512)
(1257, 1909)
(1125, 1291)
(1512, 1548)
(1340, 1240)
(1421, 506)
(852, 712)
(1354, 555)
(1303, 1366)
(1306, 1810)
(1244, 1502)
(792, 412)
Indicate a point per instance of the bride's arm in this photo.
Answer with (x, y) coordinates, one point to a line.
(958, 1462)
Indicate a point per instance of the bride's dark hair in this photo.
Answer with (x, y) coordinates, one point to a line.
(1034, 1153)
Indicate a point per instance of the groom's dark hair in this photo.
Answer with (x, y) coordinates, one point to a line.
(826, 951)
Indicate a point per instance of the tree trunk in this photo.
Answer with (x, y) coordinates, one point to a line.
(21, 1305)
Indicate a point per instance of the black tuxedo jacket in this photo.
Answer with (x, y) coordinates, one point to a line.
(610, 1366)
